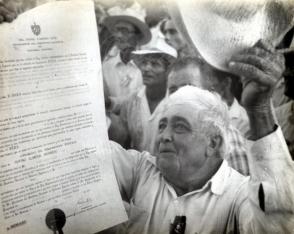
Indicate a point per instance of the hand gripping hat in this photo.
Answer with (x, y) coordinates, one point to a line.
(220, 28)
(134, 15)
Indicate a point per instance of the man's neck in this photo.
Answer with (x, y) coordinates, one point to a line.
(125, 55)
(154, 95)
(203, 175)
(229, 99)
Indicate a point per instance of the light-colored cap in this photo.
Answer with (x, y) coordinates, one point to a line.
(134, 15)
(157, 45)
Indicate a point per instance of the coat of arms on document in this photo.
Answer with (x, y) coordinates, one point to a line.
(36, 29)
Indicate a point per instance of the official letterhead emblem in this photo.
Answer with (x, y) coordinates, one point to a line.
(36, 29)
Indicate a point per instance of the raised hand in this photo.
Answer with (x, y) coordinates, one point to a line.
(260, 69)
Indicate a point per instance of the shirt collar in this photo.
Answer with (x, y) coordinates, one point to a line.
(234, 110)
(158, 110)
(219, 180)
(217, 183)
(114, 53)
(141, 92)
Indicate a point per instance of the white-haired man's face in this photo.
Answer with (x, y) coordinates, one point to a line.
(181, 144)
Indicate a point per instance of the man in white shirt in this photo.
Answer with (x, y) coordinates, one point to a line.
(187, 71)
(129, 30)
(189, 187)
(154, 61)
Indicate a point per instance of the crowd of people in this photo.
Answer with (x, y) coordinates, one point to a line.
(216, 145)
(163, 106)
(134, 38)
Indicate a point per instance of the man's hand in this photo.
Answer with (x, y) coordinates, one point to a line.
(6, 13)
(260, 69)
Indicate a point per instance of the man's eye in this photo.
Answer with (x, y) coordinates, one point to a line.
(161, 126)
(173, 31)
(155, 64)
(181, 128)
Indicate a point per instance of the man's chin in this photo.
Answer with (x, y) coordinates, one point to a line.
(147, 82)
(125, 47)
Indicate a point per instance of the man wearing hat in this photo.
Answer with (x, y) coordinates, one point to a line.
(129, 30)
(136, 114)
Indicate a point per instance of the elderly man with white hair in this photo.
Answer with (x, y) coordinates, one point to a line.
(189, 187)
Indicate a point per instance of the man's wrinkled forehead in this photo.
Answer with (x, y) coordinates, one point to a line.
(180, 110)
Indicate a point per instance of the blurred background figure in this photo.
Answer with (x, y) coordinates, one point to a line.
(127, 27)
(222, 83)
(174, 38)
(154, 61)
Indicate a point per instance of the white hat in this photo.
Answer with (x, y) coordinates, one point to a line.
(157, 45)
(219, 29)
(134, 15)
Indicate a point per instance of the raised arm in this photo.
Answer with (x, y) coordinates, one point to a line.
(260, 68)
(269, 206)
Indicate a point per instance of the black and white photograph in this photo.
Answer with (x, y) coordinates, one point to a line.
(146, 116)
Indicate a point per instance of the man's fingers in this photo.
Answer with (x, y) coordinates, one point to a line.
(252, 72)
(269, 67)
(258, 52)
(266, 51)
(266, 45)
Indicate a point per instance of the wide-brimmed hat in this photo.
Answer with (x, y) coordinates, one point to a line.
(219, 29)
(157, 45)
(134, 15)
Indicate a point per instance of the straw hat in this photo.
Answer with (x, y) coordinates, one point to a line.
(134, 15)
(219, 29)
(157, 45)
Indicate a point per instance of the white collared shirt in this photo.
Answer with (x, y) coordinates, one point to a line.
(141, 124)
(239, 118)
(122, 79)
(227, 203)
(285, 118)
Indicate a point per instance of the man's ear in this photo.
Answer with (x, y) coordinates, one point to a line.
(214, 144)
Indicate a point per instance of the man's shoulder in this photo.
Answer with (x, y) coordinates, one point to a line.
(141, 157)
(236, 182)
(134, 98)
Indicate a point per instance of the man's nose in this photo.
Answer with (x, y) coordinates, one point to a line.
(166, 135)
(147, 66)
(118, 34)
(167, 38)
